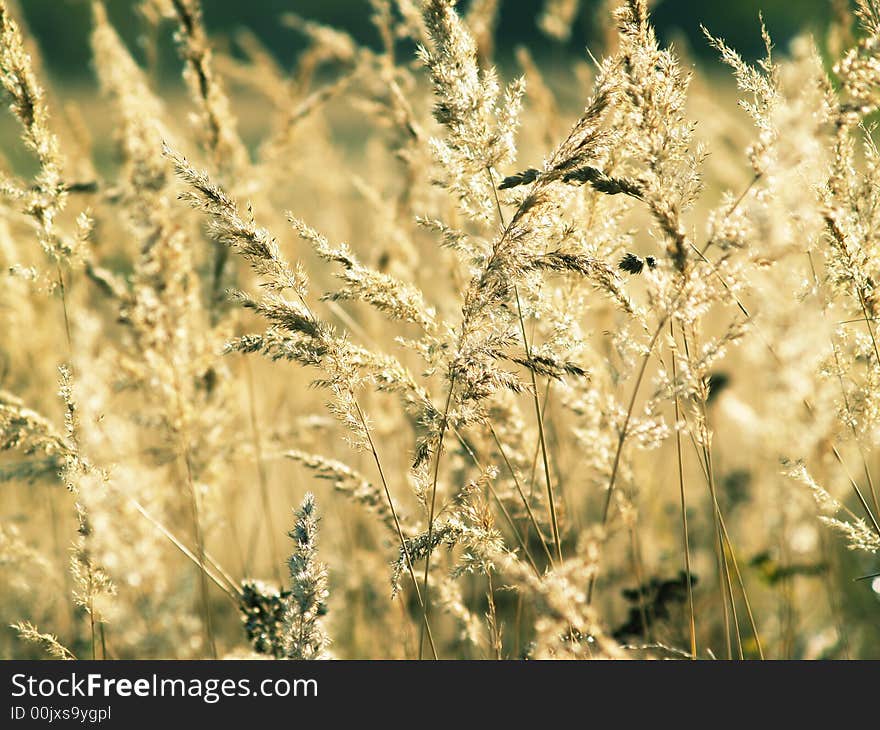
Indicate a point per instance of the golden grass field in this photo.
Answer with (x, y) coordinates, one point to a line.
(393, 355)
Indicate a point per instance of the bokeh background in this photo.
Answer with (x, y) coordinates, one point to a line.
(676, 20)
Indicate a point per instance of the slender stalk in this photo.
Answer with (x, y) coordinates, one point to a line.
(54, 518)
(739, 304)
(622, 437)
(551, 502)
(640, 581)
(498, 500)
(443, 424)
(723, 569)
(731, 552)
(721, 557)
(512, 524)
(555, 454)
(786, 601)
(492, 618)
(537, 451)
(64, 304)
(684, 520)
(832, 593)
(233, 510)
(200, 547)
(518, 625)
(221, 580)
(263, 477)
(91, 613)
(743, 194)
(400, 535)
(742, 586)
(867, 320)
(183, 436)
(522, 495)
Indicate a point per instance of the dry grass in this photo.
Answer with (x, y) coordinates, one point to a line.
(562, 361)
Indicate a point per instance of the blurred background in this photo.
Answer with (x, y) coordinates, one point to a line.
(676, 20)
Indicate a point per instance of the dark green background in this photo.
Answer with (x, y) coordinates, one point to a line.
(61, 26)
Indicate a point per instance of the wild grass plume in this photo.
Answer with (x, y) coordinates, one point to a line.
(524, 377)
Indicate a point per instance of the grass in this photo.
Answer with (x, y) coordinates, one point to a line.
(518, 378)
